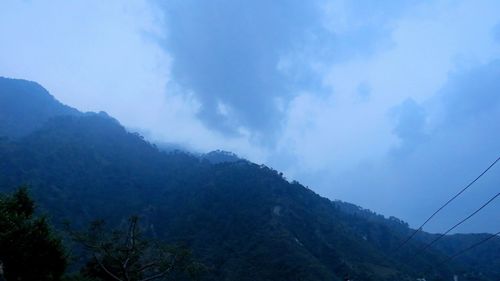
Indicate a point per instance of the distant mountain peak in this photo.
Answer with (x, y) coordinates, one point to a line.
(221, 156)
(25, 106)
(245, 221)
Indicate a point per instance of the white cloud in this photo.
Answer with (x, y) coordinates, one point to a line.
(337, 137)
(89, 54)
(426, 47)
(105, 55)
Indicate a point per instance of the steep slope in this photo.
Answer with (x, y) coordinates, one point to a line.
(25, 106)
(485, 258)
(242, 220)
(220, 156)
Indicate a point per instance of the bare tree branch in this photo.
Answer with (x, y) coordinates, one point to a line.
(163, 273)
(146, 266)
(159, 275)
(125, 256)
(105, 269)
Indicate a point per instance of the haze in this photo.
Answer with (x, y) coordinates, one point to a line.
(392, 105)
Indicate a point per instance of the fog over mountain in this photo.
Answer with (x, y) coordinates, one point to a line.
(391, 105)
(227, 218)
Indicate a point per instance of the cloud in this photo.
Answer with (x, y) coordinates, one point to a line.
(445, 143)
(496, 32)
(390, 105)
(89, 54)
(415, 139)
(227, 52)
(410, 125)
(474, 93)
(463, 143)
(252, 56)
(97, 55)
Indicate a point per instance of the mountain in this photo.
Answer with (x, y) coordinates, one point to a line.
(25, 106)
(243, 220)
(220, 156)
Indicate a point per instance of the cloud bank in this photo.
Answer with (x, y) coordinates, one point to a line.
(390, 105)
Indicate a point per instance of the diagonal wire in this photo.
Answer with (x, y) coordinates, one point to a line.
(469, 248)
(456, 225)
(450, 258)
(446, 204)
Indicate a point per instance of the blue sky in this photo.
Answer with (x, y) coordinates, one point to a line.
(392, 105)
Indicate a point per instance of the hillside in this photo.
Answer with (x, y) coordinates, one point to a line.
(243, 220)
(25, 106)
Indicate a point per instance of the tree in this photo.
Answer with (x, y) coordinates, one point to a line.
(29, 250)
(119, 255)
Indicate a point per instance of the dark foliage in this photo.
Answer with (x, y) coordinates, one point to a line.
(220, 156)
(126, 255)
(244, 221)
(28, 248)
(25, 106)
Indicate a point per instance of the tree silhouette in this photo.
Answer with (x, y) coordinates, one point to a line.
(119, 255)
(28, 248)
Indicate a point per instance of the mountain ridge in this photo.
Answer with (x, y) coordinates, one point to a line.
(26, 106)
(243, 220)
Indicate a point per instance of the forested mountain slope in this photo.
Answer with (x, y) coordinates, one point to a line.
(25, 106)
(243, 220)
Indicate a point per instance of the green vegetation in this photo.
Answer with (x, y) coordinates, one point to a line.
(126, 255)
(242, 220)
(29, 250)
(25, 106)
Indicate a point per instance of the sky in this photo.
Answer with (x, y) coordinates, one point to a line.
(391, 105)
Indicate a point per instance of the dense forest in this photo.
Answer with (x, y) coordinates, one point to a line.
(236, 219)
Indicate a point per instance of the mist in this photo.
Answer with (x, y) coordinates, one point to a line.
(394, 106)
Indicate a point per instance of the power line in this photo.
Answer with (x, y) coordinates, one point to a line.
(456, 225)
(467, 249)
(446, 204)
